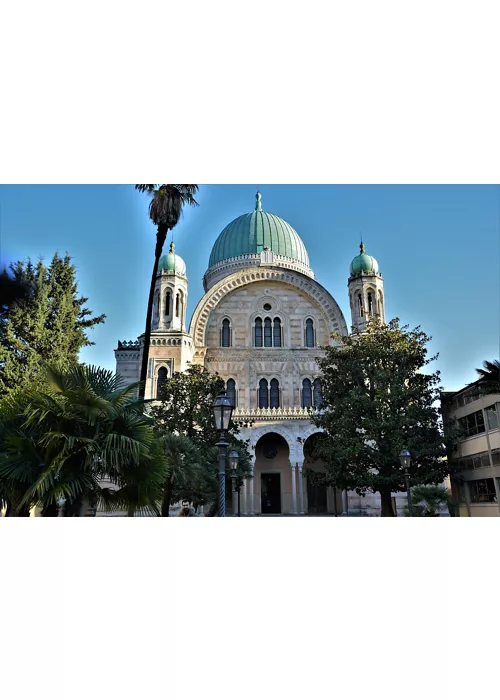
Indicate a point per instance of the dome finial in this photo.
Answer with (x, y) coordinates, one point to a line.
(361, 246)
(258, 198)
(172, 248)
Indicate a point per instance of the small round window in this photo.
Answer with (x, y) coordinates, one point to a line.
(267, 307)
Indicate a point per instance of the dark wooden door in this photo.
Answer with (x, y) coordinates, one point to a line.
(271, 493)
(316, 499)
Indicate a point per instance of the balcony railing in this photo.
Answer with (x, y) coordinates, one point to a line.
(286, 413)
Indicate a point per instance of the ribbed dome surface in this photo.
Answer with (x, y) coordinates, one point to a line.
(251, 233)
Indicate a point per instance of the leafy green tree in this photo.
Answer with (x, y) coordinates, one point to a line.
(165, 209)
(183, 465)
(47, 324)
(489, 377)
(378, 400)
(186, 409)
(83, 430)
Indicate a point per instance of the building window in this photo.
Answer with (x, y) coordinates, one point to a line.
(258, 332)
(225, 333)
(263, 394)
(177, 305)
(231, 391)
(491, 417)
(370, 304)
(275, 394)
(482, 491)
(268, 333)
(168, 298)
(360, 306)
(310, 333)
(317, 393)
(160, 381)
(473, 424)
(306, 393)
(495, 458)
(277, 333)
(380, 305)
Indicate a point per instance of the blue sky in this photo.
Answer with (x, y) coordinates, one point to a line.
(437, 248)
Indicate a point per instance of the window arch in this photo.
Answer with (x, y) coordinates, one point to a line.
(370, 304)
(161, 378)
(177, 304)
(277, 332)
(225, 333)
(309, 333)
(258, 333)
(268, 333)
(380, 305)
(231, 391)
(306, 393)
(263, 394)
(168, 301)
(318, 400)
(360, 306)
(274, 394)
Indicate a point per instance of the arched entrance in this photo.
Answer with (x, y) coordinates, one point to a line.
(272, 475)
(321, 499)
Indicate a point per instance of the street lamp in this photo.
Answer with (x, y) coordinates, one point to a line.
(222, 409)
(233, 463)
(405, 459)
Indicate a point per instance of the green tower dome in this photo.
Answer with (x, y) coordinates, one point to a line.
(364, 263)
(172, 263)
(252, 233)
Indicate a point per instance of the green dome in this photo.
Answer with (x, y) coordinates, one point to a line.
(172, 263)
(364, 263)
(251, 233)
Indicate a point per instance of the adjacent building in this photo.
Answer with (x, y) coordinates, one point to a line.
(476, 454)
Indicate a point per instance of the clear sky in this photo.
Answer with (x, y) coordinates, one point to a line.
(437, 248)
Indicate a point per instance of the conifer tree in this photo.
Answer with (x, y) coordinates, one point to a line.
(48, 325)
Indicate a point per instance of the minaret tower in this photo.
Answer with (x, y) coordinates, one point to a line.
(171, 346)
(366, 290)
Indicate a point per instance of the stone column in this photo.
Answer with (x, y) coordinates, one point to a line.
(244, 490)
(294, 491)
(250, 492)
(301, 488)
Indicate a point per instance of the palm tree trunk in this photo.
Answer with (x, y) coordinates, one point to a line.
(386, 504)
(131, 512)
(161, 236)
(167, 497)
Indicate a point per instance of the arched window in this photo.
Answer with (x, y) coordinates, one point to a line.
(258, 333)
(181, 306)
(380, 305)
(275, 394)
(231, 391)
(360, 305)
(225, 333)
(160, 380)
(156, 311)
(168, 299)
(263, 394)
(277, 333)
(317, 393)
(306, 393)
(309, 333)
(370, 304)
(268, 333)
(177, 305)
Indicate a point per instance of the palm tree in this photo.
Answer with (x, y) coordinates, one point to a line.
(428, 500)
(165, 209)
(64, 440)
(489, 377)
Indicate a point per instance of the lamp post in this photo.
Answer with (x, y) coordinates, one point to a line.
(223, 409)
(233, 463)
(405, 459)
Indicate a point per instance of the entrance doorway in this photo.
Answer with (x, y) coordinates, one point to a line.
(316, 499)
(270, 489)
